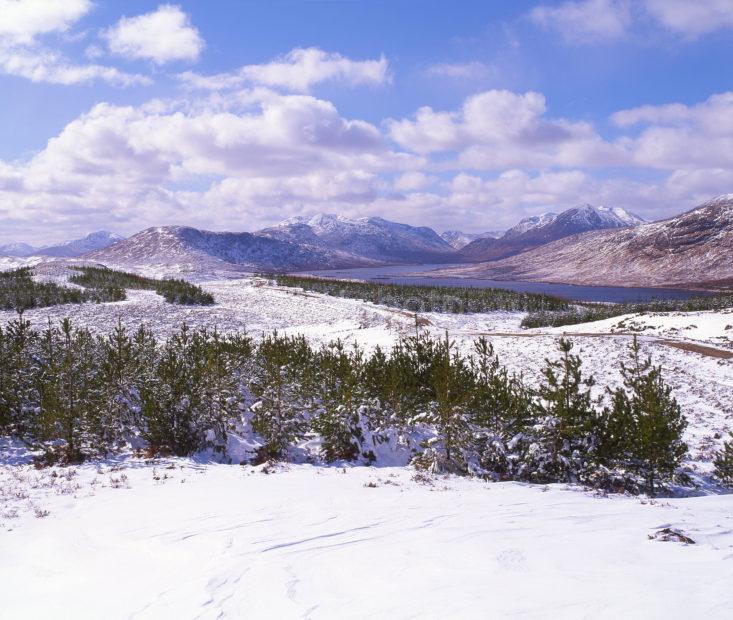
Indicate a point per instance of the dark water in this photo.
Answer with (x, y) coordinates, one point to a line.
(396, 275)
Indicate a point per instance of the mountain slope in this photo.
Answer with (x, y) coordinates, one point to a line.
(458, 239)
(548, 227)
(16, 249)
(370, 238)
(690, 250)
(185, 249)
(94, 241)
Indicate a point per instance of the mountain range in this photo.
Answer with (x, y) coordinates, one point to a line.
(70, 249)
(329, 241)
(584, 245)
(542, 229)
(692, 250)
(458, 239)
(320, 242)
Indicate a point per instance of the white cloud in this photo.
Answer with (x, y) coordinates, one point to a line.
(162, 36)
(42, 65)
(692, 18)
(680, 137)
(474, 70)
(250, 158)
(21, 21)
(585, 21)
(410, 181)
(160, 163)
(298, 70)
(499, 129)
(24, 22)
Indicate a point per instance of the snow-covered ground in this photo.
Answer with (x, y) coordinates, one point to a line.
(211, 541)
(183, 540)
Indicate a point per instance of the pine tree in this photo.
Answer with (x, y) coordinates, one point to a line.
(567, 418)
(723, 461)
(657, 423)
(119, 398)
(341, 409)
(171, 400)
(502, 412)
(279, 413)
(222, 401)
(450, 411)
(18, 383)
(69, 400)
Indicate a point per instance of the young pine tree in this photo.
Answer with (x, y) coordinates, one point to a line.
(170, 401)
(279, 413)
(656, 424)
(342, 408)
(117, 372)
(723, 461)
(18, 379)
(450, 412)
(566, 427)
(69, 392)
(502, 412)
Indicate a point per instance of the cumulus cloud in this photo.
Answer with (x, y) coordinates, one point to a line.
(24, 22)
(43, 65)
(692, 19)
(680, 137)
(299, 70)
(252, 157)
(499, 129)
(162, 36)
(162, 163)
(585, 21)
(410, 181)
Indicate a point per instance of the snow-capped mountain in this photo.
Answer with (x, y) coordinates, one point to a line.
(458, 239)
(320, 242)
(534, 231)
(185, 249)
(530, 223)
(693, 249)
(94, 241)
(371, 238)
(69, 249)
(16, 249)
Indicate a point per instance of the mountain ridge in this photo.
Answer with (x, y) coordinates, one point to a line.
(548, 227)
(691, 250)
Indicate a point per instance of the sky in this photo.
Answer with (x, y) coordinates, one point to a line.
(468, 115)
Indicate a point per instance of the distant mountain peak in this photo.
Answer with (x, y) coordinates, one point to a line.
(67, 249)
(540, 229)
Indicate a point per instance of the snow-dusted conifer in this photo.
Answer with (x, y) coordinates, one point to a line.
(723, 462)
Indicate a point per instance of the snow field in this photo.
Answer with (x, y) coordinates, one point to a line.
(185, 540)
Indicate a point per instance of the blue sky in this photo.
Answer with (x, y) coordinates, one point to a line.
(469, 115)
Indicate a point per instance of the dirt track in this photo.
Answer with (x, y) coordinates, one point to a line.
(692, 347)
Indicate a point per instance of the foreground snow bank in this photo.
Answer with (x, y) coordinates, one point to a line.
(183, 540)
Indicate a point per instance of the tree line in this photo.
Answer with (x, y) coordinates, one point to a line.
(19, 291)
(73, 395)
(173, 290)
(543, 310)
(587, 312)
(422, 298)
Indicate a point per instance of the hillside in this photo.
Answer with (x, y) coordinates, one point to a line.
(322, 242)
(548, 227)
(458, 239)
(694, 249)
(370, 238)
(69, 249)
